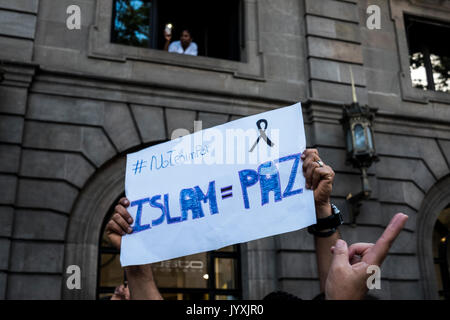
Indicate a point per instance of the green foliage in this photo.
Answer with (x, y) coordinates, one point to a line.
(440, 68)
(132, 22)
(416, 61)
(441, 72)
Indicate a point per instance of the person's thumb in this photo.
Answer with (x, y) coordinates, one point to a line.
(340, 254)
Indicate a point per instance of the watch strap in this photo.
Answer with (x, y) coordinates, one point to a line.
(325, 227)
(330, 222)
(321, 234)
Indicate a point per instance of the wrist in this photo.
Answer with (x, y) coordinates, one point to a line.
(327, 223)
(323, 210)
(139, 272)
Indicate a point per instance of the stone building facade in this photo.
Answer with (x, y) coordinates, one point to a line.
(73, 104)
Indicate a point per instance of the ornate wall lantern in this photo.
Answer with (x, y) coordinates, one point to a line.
(357, 122)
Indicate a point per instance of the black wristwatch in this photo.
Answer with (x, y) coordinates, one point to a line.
(329, 223)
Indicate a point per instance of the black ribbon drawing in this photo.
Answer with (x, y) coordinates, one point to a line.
(262, 134)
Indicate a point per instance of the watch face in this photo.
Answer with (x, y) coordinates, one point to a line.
(341, 218)
(338, 214)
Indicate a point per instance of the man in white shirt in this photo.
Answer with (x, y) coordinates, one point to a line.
(184, 46)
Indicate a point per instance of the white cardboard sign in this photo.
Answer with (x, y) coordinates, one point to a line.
(233, 183)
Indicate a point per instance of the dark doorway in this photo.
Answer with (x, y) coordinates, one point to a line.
(214, 25)
(441, 252)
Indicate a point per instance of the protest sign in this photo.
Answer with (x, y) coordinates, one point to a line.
(233, 183)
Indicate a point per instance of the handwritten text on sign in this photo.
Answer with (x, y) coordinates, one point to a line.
(189, 195)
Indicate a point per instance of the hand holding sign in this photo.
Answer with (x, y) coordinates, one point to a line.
(319, 177)
(120, 223)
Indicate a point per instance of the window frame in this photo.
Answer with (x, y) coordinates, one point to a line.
(210, 289)
(425, 49)
(251, 65)
(427, 11)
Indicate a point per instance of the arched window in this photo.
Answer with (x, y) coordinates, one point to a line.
(213, 275)
(435, 207)
(441, 253)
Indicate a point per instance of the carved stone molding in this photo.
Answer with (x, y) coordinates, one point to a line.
(17, 74)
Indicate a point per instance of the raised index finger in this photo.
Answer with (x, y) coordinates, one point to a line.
(380, 250)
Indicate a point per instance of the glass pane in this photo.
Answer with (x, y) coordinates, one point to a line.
(224, 272)
(227, 249)
(349, 141)
(111, 272)
(441, 72)
(185, 296)
(132, 22)
(360, 138)
(223, 297)
(418, 72)
(185, 272)
(369, 137)
(105, 296)
(105, 243)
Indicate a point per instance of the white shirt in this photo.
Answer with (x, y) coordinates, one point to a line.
(177, 48)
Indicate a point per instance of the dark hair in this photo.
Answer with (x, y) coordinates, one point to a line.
(187, 30)
(285, 296)
(321, 296)
(281, 295)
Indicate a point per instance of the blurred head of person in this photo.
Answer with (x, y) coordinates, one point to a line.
(185, 38)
